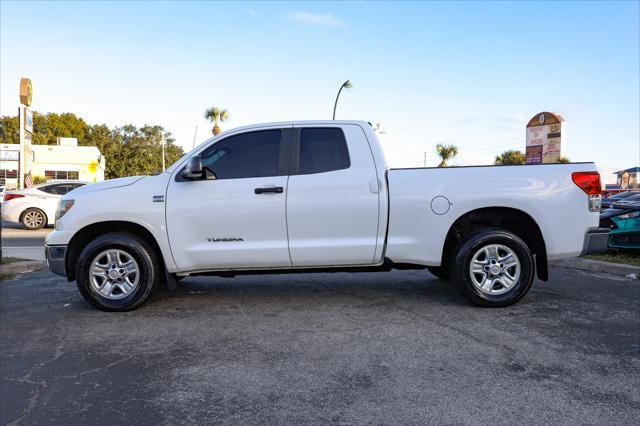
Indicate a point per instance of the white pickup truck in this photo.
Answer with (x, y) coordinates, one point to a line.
(318, 196)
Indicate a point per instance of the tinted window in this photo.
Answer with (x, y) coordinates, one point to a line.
(246, 155)
(59, 189)
(322, 150)
(51, 189)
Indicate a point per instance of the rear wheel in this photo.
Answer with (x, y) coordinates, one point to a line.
(493, 268)
(117, 272)
(33, 219)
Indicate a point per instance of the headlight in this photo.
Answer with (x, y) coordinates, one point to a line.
(63, 207)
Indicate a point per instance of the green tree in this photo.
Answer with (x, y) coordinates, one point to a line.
(510, 157)
(216, 116)
(46, 128)
(139, 150)
(446, 153)
(9, 129)
(127, 150)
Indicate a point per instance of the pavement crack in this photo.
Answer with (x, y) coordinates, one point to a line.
(95, 370)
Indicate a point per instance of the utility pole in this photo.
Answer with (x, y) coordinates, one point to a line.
(21, 162)
(163, 142)
(425, 158)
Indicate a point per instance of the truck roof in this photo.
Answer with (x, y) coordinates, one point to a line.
(295, 123)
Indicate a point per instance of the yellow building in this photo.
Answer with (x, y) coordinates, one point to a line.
(63, 161)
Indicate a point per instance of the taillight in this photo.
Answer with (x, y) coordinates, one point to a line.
(8, 197)
(589, 182)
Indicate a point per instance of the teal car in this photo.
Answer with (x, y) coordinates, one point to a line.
(623, 219)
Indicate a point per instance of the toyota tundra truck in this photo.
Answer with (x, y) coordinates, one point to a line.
(317, 196)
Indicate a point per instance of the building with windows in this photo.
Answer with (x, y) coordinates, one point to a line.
(63, 161)
(628, 179)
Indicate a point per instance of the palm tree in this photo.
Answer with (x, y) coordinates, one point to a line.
(216, 116)
(446, 152)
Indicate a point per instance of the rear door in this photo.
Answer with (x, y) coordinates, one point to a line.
(332, 197)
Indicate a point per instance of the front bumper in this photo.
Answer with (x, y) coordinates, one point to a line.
(596, 241)
(56, 256)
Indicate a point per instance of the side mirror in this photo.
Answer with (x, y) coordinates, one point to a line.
(193, 170)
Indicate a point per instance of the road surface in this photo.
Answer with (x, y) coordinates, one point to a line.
(19, 242)
(386, 348)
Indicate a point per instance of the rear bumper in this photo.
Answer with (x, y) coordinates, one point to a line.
(55, 256)
(596, 241)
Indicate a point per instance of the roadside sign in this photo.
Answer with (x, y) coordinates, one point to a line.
(544, 132)
(28, 120)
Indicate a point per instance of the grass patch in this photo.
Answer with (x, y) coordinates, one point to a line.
(6, 260)
(6, 276)
(629, 257)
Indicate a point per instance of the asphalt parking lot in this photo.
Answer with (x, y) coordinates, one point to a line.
(385, 348)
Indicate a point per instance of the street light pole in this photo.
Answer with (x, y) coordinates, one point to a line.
(346, 85)
(163, 144)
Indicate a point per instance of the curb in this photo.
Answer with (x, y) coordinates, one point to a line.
(599, 266)
(22, 267)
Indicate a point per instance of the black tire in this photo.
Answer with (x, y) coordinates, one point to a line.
(441, 272)
(135, 247)
(462, 266)
(33, 219)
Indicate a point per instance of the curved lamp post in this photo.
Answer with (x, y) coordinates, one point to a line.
(346, 85)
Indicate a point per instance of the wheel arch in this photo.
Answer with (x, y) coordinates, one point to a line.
(83, 236)
(514, 220)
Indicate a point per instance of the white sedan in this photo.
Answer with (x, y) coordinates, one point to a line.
(36, 207)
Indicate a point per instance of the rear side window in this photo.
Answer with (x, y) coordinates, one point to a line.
(322, 150)
(60, 189)
(247, 155)
(52, 189)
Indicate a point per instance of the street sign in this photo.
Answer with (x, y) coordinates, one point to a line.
(544, 132)
(28, 120)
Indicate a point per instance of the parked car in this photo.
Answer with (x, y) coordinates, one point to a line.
(318, 196)
(36, 207)
(632, 199)
(623, 219)
(606, 202)
(1, 194)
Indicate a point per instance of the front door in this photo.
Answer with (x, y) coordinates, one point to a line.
(237, 220)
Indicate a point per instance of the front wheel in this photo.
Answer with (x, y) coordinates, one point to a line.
(117, 272)
(493, 268)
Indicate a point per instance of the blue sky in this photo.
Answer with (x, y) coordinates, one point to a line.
(468, 73)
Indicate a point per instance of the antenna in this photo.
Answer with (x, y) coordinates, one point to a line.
(195, 134)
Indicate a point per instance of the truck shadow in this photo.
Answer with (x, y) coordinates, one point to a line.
(343, 288)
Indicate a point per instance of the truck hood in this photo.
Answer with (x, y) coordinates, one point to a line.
(107, 184)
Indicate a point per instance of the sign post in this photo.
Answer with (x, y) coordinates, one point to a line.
(26, 127)
(544, 133)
